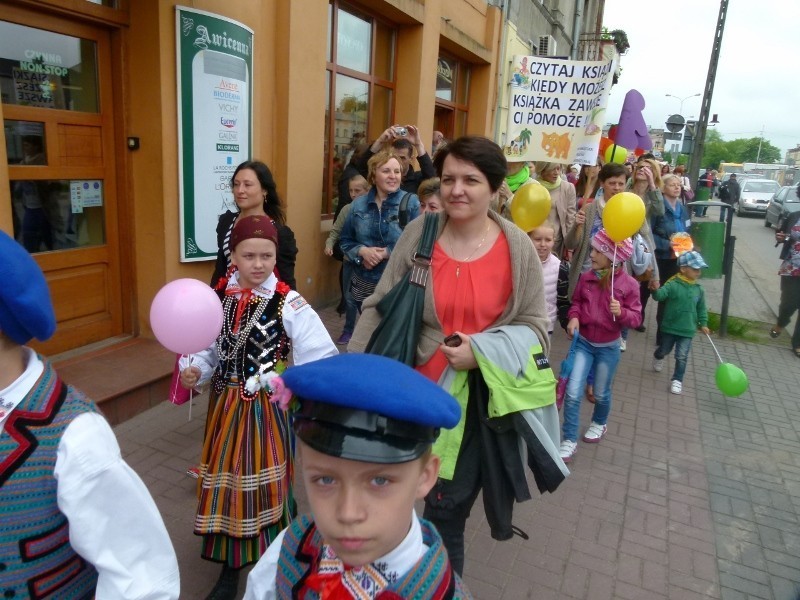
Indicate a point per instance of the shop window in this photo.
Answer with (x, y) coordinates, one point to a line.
(44, 69)
(360, 89)
(57, 214)
(25, 143)
(452, 97)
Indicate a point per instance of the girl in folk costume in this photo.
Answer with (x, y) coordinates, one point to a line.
(246, 468)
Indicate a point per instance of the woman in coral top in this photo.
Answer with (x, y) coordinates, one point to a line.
(485, 297)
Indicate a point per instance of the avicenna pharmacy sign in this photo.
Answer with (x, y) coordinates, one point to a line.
(215, 65)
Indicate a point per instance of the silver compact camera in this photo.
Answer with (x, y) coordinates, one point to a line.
(400, 131)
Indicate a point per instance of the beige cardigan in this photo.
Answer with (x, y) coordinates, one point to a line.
(526, 305)
(563, 207)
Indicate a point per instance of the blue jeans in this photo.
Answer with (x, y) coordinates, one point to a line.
(350, 306)
(682, 346)
(603, 361)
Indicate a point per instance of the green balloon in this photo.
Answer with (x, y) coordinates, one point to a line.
(731, 380)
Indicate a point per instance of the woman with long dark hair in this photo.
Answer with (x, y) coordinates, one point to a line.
(255, 194)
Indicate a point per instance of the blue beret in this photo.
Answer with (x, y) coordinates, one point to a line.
(25, 308)
(369, 408)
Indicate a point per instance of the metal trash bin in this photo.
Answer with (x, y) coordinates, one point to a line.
(709, 240)
(702, 194)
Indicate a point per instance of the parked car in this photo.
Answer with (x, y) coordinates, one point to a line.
(785, 201)
(756, 194)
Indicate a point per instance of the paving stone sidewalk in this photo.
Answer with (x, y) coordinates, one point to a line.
(688, 497)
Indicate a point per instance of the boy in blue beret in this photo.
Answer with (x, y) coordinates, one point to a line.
(365, 426)
(75, 520)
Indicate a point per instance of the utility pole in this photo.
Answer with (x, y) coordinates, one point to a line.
(702, 122)
(760, 139)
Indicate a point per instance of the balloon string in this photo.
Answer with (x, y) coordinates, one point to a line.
(191, 390)
(613, 317)
(715, 348)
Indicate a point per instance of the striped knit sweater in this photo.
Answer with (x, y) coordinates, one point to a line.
(432, 578)
(36, 558)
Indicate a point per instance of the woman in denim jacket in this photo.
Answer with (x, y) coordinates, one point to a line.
(373, 226)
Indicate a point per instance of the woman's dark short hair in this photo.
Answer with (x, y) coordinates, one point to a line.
(611, 170)
(272, 203)
(481, 152)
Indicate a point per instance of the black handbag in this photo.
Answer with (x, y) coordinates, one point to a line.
(401, 308)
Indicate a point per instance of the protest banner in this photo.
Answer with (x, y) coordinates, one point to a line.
(557, 109)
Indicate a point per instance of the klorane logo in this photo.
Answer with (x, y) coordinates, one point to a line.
(205, 39)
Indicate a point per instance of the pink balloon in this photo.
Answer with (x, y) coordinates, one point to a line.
(186, 316)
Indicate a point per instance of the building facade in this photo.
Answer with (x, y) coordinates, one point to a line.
(555, 28)
(90, 106)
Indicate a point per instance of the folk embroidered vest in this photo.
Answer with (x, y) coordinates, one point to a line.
(432, 578)
(36, 559)
(260, 345)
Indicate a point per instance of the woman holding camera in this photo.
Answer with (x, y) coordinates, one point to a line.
(406, 143)
(485, 293)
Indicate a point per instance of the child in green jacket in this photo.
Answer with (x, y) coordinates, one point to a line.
(684, 312)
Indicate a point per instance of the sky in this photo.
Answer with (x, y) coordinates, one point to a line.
(757, 84)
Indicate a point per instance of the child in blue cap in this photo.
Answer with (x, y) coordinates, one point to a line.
(75, 520)
(684, 312)
(365, 426)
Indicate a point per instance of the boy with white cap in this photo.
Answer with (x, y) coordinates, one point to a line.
(684, 312)
(75, 520)
(365, 426)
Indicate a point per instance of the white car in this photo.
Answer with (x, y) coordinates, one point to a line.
(756, 194)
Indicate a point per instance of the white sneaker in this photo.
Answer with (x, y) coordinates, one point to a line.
(567, 450)
(676, 387)
(623, 344)
(658, 365)
(595, 433)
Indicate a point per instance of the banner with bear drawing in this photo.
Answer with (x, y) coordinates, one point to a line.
(557, 109)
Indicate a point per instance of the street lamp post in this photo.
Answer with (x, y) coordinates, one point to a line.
(680, 112)
(682, 100)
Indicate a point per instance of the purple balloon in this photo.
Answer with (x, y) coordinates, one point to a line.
(632, 129)
(186, 316)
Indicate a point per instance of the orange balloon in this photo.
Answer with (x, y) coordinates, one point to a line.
(623, 216)
(604, 144)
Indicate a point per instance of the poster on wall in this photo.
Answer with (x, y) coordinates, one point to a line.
(557, 109)
(215, 65)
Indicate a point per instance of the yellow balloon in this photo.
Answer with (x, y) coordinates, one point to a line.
(530, 206)
(623, 216)
(616, 154)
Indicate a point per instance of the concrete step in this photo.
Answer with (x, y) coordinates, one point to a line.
(124, 376)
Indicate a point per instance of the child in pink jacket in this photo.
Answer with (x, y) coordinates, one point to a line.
(606, 300)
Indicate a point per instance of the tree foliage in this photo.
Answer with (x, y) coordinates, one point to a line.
(740, 150)
(682, 159)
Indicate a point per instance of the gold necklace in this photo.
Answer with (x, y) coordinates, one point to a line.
(478, 247)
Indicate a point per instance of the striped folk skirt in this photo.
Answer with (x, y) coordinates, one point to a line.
(245, 496)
